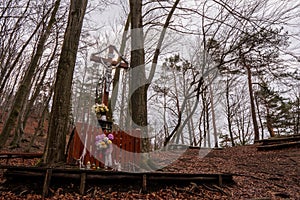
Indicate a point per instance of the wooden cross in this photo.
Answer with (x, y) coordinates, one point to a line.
(109, 63)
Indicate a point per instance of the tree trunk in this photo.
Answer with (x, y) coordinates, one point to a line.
(259, 118)
(24, 88)
(40, 127)
(207, 124)
(269, 122)
(297, 124)
(59, 119)
(39, 85)
(229, 116)
(138, 90)
(7, 68)
(253, 113)
(213, 116)
(159, 43)
(204, 105)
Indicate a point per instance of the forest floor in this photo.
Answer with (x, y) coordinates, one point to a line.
(256, 174)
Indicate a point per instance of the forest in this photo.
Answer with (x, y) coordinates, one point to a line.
(217, 75)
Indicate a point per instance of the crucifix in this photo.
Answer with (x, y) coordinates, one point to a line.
(109, 63)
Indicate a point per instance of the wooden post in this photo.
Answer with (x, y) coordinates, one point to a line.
(82, 183)
(144, 183)
(47, 182)
(220, 180)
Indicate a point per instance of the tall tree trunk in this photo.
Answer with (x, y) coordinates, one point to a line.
(204, 105)
(253, 113)
(229, 115)
(159, 43)
(138, 90)
(7, 66)
(207, 124)
(259, 118)
(24, 88)
(297, 118)
(39, 85)
(122, 115)
(59, 119)
(190, 124)
(213, 115)
(40, 126)
(269, 122)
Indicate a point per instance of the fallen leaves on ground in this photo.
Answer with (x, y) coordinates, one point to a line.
(256, 174)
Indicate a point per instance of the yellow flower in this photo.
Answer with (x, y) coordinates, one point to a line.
(100, 108)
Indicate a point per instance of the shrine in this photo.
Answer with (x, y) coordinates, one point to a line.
(88, 144)
(103, 87)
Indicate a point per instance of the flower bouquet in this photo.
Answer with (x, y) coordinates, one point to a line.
(100, 108)
(103, 142)
(104, 148)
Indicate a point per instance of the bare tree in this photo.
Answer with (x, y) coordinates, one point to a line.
(23, 90)
(59, 118)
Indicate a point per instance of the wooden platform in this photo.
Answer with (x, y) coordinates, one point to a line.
(48, 174)
(279, 143)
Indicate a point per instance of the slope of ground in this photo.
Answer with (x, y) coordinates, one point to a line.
(257, 175)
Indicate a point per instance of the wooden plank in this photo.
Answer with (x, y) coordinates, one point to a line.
(277, 140)
(278, 146)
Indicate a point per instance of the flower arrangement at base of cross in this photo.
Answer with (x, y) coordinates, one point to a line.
(102, 142)
(104, 146)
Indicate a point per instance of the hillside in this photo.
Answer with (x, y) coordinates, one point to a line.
(257, 175)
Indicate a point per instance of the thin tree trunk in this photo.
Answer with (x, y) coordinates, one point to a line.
(213, 116)
(39, 85)
(259, 118)
(207, 125)
(188, 110)
(269, 122)
(40, 126)
(297, 124)
(5, 74)
(253, 113)
(229, 115)
(159, 43)
(24, 88)
(204, 118)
